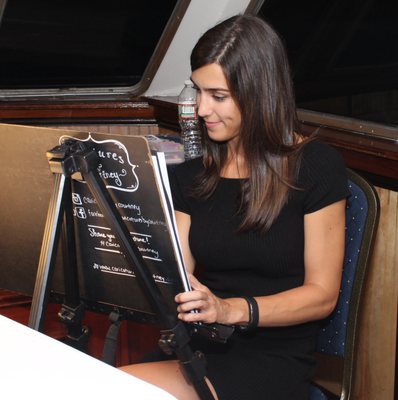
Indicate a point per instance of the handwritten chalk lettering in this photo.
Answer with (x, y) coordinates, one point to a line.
(94, 233)
(154, 254)
(145, 221)
(112, 244)
(144, 239)
(112, 175)
(89, 200)
(162, 279)
(95, 214)
(109, 242)
(113, 270)
(107, 250)
(110, 236)
(122, 271)
(117, 170)
(128, 272)
(101, 267)
(148, 253)
(111, 156)
(99, 227)
(134, 207)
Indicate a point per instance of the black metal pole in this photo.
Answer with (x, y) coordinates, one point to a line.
(72, 310)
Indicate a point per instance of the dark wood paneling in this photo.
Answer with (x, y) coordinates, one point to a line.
(166, 111)
(135, 110)
(373, 155)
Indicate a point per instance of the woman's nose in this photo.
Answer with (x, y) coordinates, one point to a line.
(203, 107)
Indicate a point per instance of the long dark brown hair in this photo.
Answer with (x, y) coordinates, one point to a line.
(254, 61)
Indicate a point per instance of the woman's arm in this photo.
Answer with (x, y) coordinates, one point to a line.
(183, 225)
(323, 255)
(324, 235)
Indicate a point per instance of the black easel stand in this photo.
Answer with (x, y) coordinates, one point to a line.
(73, 158)
(72, 311)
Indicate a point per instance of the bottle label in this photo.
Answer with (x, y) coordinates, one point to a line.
(187, 110)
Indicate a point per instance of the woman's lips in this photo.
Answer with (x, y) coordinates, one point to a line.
(211, 125)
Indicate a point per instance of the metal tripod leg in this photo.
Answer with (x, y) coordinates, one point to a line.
(47, 254)
(71, 314)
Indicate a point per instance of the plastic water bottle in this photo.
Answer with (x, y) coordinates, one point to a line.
(189, 122)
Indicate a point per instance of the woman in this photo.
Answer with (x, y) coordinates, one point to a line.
(262, 214)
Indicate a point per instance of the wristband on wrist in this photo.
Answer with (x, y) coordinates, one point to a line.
(253, 315)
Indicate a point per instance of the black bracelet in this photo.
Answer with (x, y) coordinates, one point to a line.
(253, 315)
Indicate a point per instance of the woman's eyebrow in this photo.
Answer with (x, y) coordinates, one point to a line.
(210, 89)
(216, 90)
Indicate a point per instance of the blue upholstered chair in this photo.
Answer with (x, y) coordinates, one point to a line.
(337, 341)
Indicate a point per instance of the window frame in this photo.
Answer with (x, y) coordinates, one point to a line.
(114, 93)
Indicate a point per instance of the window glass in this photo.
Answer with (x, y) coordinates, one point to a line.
(344, 55)
(79, 43)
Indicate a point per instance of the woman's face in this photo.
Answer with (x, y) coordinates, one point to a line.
(215, 104)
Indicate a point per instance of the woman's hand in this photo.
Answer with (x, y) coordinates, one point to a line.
(210, 307)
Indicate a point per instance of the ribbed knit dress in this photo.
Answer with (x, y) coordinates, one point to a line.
(271, 363)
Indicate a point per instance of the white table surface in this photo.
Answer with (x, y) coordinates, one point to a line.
(35, 366)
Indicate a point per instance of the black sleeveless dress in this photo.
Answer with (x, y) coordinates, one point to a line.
(271, 363)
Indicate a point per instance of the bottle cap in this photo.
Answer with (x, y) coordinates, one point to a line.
(188, 82)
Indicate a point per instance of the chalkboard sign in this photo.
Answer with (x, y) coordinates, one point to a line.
(127, 171)
(126, 168)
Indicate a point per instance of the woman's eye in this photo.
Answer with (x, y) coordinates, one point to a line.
(219, 98)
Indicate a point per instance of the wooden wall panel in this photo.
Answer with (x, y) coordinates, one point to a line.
(117, 129)
(375, 373)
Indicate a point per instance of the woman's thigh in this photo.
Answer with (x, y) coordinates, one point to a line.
(166, 375)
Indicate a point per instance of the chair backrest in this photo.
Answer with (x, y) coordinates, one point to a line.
(339, 331)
